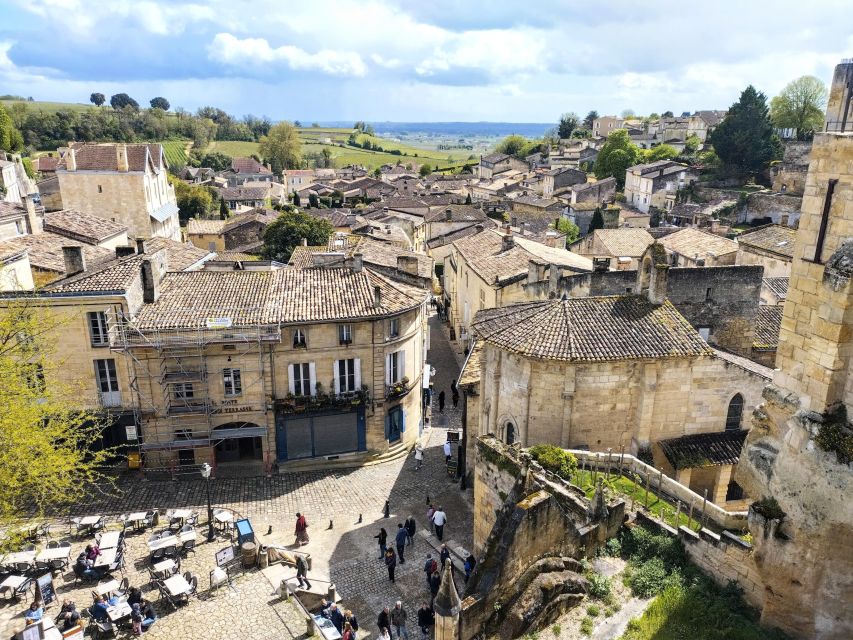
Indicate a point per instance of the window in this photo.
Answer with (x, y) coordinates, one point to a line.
(394, 327)
(100, 189)
(299, 338)
(734, 491)
(184, 391)
(19, 227)
(510, 433)
(824, 221)
(301, 379)
(345, 333)
(345, 373)
(395, 367)
(735, 414)
(98, 328)
(211, 246)
(107, 378)
(233, 382)
(709, 292)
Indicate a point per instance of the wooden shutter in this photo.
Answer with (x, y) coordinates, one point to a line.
(401, 363)
(336, 377)
(388, 369)
(312, 376)
(357, 374)
(290, 380)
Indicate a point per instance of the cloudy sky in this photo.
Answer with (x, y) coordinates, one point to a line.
(415, 60)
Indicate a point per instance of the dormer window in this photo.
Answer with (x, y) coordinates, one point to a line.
(345, 333)
(299, 340)
(394, 328)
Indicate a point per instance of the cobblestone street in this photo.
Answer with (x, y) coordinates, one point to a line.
(342, 550)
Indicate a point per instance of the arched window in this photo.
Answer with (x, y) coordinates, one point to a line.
(735, 414)
(510, 433)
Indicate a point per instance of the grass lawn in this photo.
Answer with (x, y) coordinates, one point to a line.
(234, 148)
(54, 106)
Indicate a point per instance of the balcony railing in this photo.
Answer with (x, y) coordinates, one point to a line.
(397, 389)
(349, 400)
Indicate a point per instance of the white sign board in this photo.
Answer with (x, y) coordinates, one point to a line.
(218, 323)
(224, 556)
(131, 432)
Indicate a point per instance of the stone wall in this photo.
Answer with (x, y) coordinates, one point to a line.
(245, 234)
(789, 175)
(772, 205)
(599, 191)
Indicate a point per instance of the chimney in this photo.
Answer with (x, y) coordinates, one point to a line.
(123, 252)
(479, 227)
(508, 242)
(75, 261)
(377, 297)
(140, 245)
(553, 278)
(71, 159)
(535, 272)
(357, 262)
(33, 220)
(407, 264)
(783, 220)
(153, 270)
(304, 242)
(448, 214)
(121, 157)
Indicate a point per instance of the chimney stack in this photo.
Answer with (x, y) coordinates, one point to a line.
(123, 252)
(448, 214)
(70, 160)
(377, 297)
(33, 221)
(140, 245)
(154, 267)
(508, 241)
(121, 157)
(357, 262)
(553, 278)
(407, 264)
(75, 261)
(304, 242)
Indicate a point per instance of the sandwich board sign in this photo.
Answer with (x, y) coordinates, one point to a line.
(224, 556)
(45, 588)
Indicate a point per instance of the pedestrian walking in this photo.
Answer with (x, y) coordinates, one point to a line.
(441, 402)
(440, 519)
(448, 452)
(350, 619)
(430, 567)
(470, 562)
(455, 397)
(444, 555)
(384, 622)
(434, 584)
(430, 513)
(400, 539)
(410, 530)
(426, 618)
(390, 562)
(398, 620)
(382, 536)
(419, 456)
(302, 571)
(301, 530)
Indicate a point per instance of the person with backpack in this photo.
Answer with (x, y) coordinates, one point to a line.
(430, 567)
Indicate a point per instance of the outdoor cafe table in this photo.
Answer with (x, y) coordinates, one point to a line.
(137, 517)
(118, 611)
(107, 557)
(47, 629)
(109, 539)
(18, 557)
(177, 585)
(223, 518)
(107, 587)
(168, 541)
(56, 553)
(179, 514)
(164, 565)
(86, 522)
(12, 582)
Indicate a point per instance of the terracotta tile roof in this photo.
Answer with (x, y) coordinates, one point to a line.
(624, 242)
(458, 213)
(271, 297)
(248, 165)
(82, 226)
(470, 374)
(385, 255)
(453, 236)
(264, 216)
(493, 158)
(777, 286)
(119, 273)
(336, 217)
(485, 255)
(45, 250)
(243, 193)
(236, 256)
(767, 324)
(301, 258)
(660, 166)
(207, 227)
(103, 157)
(691, 242)
(774, 238)
(536, 201)
(46, 163)
(704, 449)
(11, 210)
(591, 329)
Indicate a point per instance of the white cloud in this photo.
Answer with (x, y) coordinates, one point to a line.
(249, 52)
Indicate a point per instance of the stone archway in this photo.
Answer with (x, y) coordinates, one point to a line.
(230, 445)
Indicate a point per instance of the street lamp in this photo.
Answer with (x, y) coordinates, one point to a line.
(205, 473)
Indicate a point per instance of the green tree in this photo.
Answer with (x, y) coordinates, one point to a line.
(568, 123)
(97, 99)
(666, 114)
(468, 199)
(425, 170)
(224, 212)
(691, 144)
(800, 106)
(122, 100)
(296, 199)
(589, 119)
(661, 152)
(627, 114)
(288, 231)
(745, 141)
(215, 160)
(616, 155)
(194, 201)
(160, 103)
(282, 147)
(45, 461)
(572, 231)
(10, 137)
(597, 221)
(313, 201)
(518, 146)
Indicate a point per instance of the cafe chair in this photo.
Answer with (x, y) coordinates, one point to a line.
(42, 565)
(53, 544)
(187, 546)
(171, 551)
(157, 555)
(103, 629)
(124, 587)
(65, 544)
(193, 585)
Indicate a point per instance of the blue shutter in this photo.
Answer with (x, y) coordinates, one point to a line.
(280, 437)
(387, 427)
(362, 435)
(402, 420)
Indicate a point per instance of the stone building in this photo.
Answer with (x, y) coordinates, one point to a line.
(497, 163)
(558, 180)
(655, 184)
(798, 450)
(617, 372)
(789, 175)
(206, 234)
(621, 248)
(124, 183)
(771, 246)
(691, 247)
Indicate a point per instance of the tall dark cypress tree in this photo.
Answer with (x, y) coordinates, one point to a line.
(597, 221)
(745, 140)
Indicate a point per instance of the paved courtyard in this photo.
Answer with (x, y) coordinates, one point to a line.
(346, 554)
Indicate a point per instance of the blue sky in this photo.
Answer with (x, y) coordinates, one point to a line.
(436, 60)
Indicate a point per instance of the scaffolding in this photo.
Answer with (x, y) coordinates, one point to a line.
(169, 378)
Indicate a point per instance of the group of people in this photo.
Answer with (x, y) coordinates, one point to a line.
(142, 613)
(343, 620)
(454, 392)
(393, 622)
(84, 566)
(405, 537)
(437, 519)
